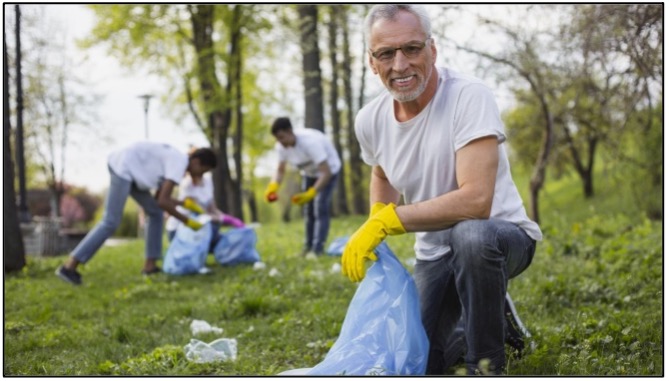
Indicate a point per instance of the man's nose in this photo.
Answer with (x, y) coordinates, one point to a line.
(400, 62)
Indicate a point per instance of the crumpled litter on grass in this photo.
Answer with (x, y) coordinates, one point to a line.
(218, 350)
(335, 269)
(201, 326)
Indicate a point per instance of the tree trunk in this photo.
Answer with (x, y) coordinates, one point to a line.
(253, 204)
(63, 142)
(217, 103)
(313, 89)
(24, 215)
(588, 181)
(360, 203)
(14, 252)
(539, 173)
(584, 170)
(341, 204)
(236, 64)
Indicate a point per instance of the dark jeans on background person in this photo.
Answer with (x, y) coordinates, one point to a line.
(317, 214)
(119, 190)
(470, 281)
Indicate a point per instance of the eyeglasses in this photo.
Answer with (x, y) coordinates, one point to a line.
(410, 50)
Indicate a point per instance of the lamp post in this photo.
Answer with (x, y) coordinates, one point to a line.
(147, 98)
(140, 215)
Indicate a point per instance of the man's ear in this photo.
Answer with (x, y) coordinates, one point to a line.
(371, 64)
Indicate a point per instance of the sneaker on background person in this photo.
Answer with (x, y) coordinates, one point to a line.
(70, 276)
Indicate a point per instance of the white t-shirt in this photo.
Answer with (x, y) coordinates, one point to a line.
(418, 156)
(311, 148)
(148, 164)
(202, 193)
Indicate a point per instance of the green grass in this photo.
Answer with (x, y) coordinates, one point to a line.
(592, 300)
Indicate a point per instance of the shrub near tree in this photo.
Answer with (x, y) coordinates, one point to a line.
(77, 207)
(87, 202)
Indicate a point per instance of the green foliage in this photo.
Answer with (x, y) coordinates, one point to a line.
(525, 129)
(595, 300)
(592, 300)
(639, 163)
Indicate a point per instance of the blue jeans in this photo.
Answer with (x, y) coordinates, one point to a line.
(317, 214)
(470, 281)
(119, 190)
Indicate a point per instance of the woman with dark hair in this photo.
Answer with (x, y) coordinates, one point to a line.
(201, 190)
(135, 171)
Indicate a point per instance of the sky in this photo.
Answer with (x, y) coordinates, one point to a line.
(121, 114)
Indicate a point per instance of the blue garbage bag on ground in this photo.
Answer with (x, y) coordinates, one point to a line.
(188, 250)
(336, 247)
(382, 333)
(237, 246)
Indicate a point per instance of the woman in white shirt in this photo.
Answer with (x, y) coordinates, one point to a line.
(201, 189)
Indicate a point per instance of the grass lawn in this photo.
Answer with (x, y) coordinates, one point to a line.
(592, 300)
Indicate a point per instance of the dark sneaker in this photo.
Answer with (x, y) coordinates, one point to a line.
(516, 333)
(71, 276)
(155, 270)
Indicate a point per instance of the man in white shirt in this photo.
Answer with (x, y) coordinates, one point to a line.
(435, 138)
(135, 171)
(315, 156)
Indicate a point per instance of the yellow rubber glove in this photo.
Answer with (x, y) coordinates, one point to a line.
(376, 207)
(304, 197)
(193, 224)
(190, 204)
(270, 192)
(362, 243)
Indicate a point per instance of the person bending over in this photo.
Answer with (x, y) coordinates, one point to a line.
(135, 171)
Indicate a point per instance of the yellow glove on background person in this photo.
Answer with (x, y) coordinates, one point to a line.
(363, 242)
(304, 197)
(193, 224)
(376, 207)
(270, 192)
(190, 204)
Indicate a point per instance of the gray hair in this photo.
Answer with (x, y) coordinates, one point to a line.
(389, 11)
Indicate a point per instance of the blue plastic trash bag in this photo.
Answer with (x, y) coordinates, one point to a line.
(336, 247)
(382, 333)
(237, 246)
(187, 252)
